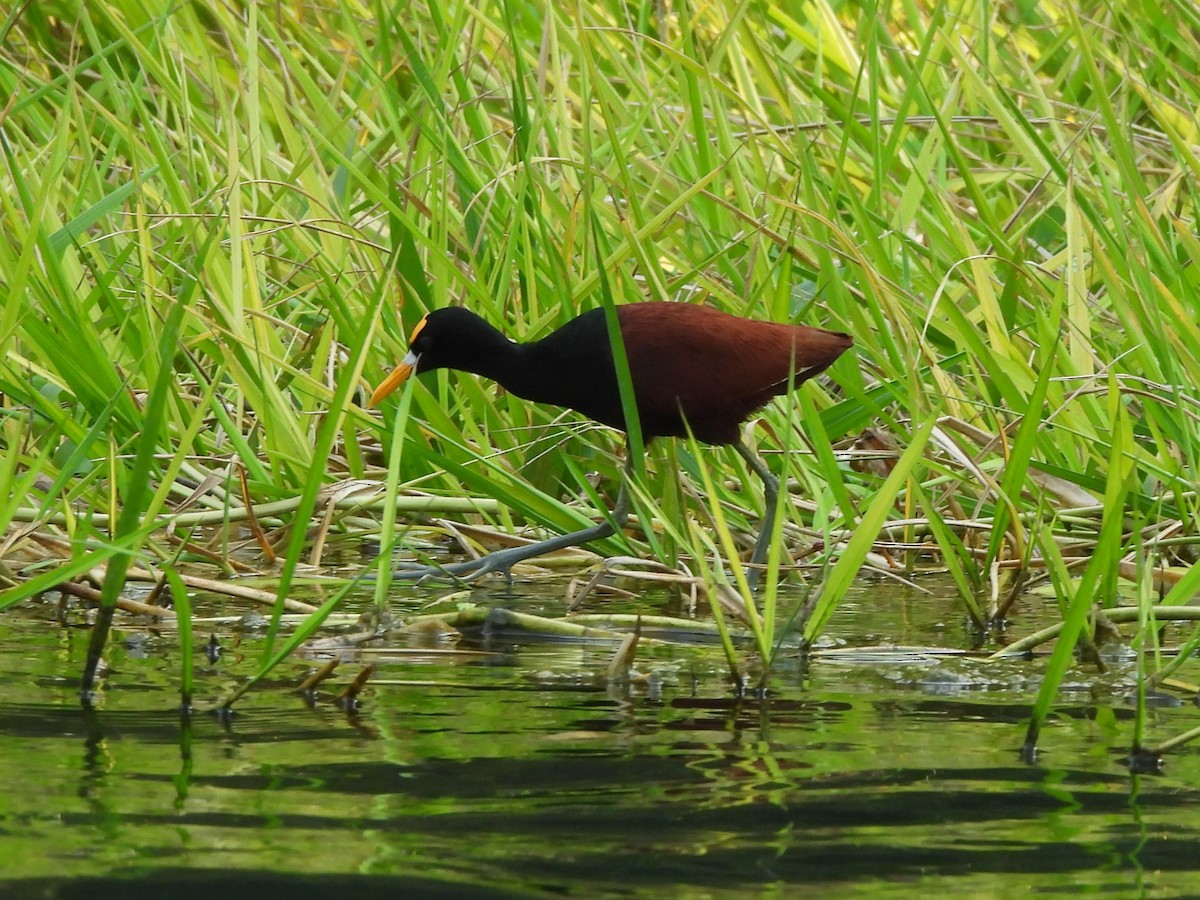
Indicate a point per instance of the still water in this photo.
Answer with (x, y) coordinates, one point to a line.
(509, 767)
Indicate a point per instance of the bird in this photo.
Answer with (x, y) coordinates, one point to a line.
(693, 368)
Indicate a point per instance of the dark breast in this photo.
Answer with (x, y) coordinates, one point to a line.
(686, 361)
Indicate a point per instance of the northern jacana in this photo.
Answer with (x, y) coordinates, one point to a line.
(691, 367)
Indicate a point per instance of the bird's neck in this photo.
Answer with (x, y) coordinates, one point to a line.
(519, 368)
(516, 368)
(532, 371)
(494, 356)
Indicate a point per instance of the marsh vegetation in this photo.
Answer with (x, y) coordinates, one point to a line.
(220, 223)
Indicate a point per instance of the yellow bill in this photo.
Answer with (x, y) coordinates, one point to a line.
(398, 377)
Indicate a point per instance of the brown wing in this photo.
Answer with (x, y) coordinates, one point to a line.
(713, 367)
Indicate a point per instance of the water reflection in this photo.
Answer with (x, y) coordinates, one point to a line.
(520, 771)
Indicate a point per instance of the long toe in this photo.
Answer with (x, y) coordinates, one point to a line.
(502, 561)
(419, 573)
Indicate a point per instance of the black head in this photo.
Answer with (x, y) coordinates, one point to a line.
(448, 338)
(452, 338)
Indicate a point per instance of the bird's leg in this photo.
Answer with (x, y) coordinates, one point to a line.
(770, 498)
(503, 560)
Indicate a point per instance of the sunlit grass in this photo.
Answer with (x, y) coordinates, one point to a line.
(998, 202)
